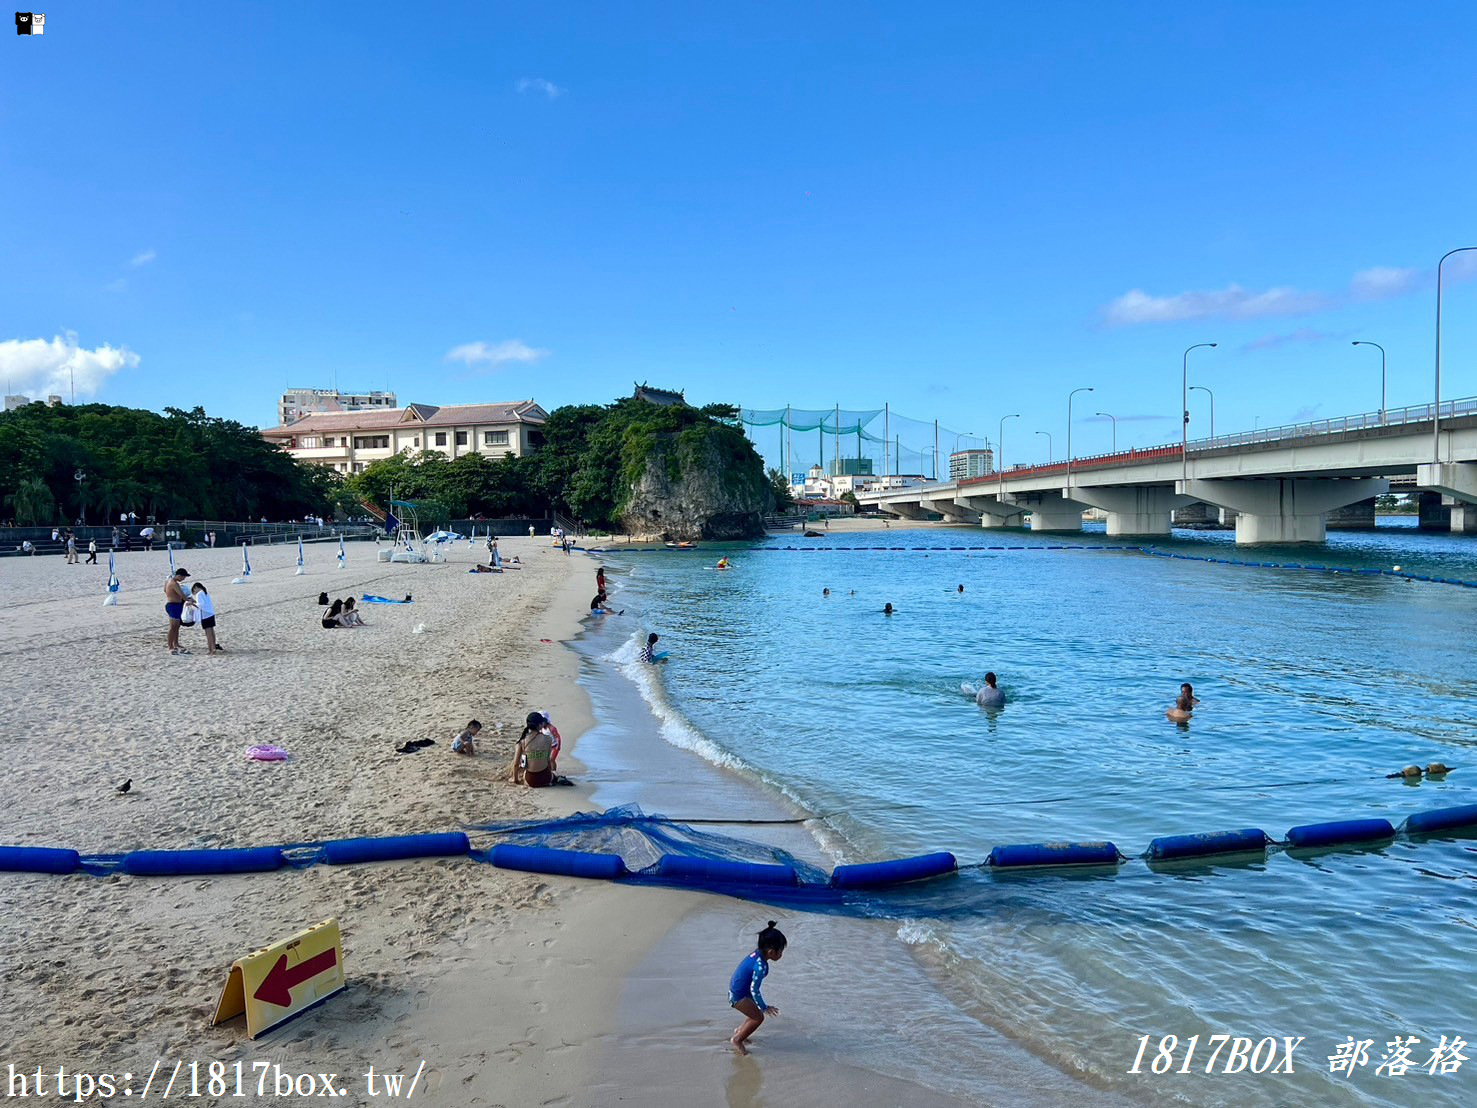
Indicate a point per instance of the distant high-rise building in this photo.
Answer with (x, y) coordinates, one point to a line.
(297, 403)
(964, 464)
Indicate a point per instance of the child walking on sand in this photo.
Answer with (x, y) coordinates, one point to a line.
(743, 987)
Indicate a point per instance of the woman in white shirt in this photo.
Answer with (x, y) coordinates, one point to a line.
(206, 612)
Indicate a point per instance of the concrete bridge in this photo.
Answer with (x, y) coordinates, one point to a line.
(1281, 483)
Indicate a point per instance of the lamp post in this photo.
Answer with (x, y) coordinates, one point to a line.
(79, 476)
(1000, 456)
(1381, 349)
(1436, 413)
(1185, 411)
(1070, 395)
(1048, 445)
(1210, 394)
(1115, 429)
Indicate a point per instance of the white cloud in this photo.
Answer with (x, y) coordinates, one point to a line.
(1382, 282)
(540, 84)
(118, 285)
(38, 368)
(143, 257)
(1233, 302)
(495, 355)
(1302, 334)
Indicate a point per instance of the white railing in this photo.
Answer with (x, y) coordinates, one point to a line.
(1368, 421)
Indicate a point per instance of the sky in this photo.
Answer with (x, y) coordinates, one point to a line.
(961, 211)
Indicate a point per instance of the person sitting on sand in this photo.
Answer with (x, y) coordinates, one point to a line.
(743, 986)
(531, 757)
(466, 739)
(990, 695)
(1184, 706)
(331, 615)
(597, 606)
(350, 616)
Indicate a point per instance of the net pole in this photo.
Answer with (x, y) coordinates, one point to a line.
(886, 416)
(935, 450)
(836, 461)
(789, 450)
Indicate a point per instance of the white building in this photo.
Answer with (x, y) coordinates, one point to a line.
(349, 441)
(964, 464)
(297, 403)
(816, 484)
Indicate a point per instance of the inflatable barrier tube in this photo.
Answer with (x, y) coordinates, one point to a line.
(1170, 847)
(683, 868)
(344, 852)
(38, 859)
(566, 863)
(179, 863)
(1053, 854)
(1340, 831)
(894, 872)
(1437, 819)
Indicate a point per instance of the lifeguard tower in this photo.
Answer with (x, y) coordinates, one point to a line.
(409, 546)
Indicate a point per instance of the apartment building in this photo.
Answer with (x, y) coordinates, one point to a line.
(350, 441)
(297, 403)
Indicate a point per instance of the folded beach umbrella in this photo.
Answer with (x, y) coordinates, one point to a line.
(342, 554)
(299, 572)
(245, 577)
(111, 600)
(170, 545)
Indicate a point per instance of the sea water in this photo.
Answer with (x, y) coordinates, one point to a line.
(1313, 685)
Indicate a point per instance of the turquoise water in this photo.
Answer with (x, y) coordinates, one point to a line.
(1313, 687)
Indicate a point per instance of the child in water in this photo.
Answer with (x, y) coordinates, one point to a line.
(743, 987)
(1184, 705)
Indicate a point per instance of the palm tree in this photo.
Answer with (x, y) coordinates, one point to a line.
(32, 501)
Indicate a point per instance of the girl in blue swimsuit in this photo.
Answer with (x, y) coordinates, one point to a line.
(743, 987)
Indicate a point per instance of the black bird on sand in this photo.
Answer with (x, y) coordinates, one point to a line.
(123, 788)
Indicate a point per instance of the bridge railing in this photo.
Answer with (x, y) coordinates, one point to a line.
(1367, 421)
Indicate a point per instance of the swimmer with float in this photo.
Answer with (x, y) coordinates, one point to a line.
(1184, 706)
(723, 563)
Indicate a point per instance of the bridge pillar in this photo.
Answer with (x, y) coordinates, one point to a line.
(952, 511)
(1133, 510)
(1431, 513)
(1198, 516)
(992, 511)
(1457, 484)
(1050, 510)
(1353, 517)
(1282, 510)
(905, 510)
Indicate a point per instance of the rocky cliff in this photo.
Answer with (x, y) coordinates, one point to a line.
(704, 482)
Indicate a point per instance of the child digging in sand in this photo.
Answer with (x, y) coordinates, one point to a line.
(743, 987)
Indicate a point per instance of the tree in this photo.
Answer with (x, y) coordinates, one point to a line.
(849, 497)
(784, 499)
(32, 502)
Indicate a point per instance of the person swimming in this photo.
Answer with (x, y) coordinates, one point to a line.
(887, 609)
(825, 592)
(990, 695)
(1184, 705)
(961, 589)
(724, 563)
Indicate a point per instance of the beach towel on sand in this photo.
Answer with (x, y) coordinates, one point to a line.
(384, 600)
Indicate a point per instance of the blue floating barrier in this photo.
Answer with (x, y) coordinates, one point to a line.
(345, 852)
(179, 863)
(1437, 819)
(1167, 848)
(566, 863)
(1054, 854)
(1340, 831)
(682, 868)
(894, 872)
(39, 859)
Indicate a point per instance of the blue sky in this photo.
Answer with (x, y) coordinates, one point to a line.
(959, 210)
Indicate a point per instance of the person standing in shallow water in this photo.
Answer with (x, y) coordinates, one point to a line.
(743, 986)
(1184, 705)
(990, 696)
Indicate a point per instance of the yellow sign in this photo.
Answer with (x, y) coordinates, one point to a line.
(278, 982)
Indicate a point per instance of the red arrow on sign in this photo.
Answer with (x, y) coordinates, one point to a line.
(277, 987)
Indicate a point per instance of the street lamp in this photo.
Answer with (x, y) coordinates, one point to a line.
(1381, 349)
(1000, 453)
(1115, 429)
(79, 476)
(1048, 445)
(1070, 395)
(1436, 414)
(1210, 394)
(1185, 410)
